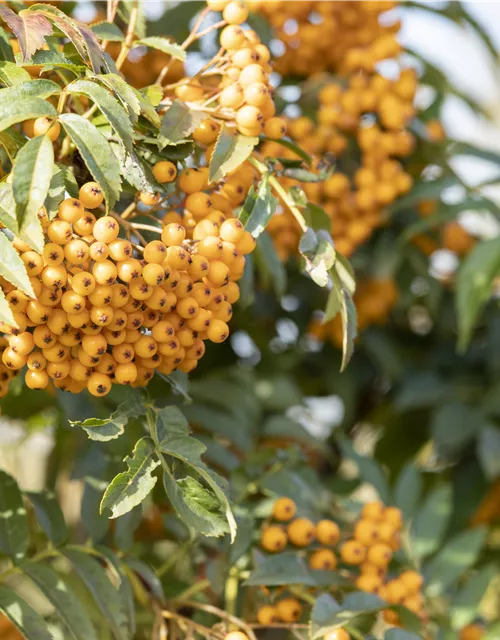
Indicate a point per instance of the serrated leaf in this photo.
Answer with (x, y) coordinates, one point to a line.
(29, 28)
(258, 208)
(230, 151)
(56, 193)
(124, 92)
(67, 605)
(408, 490)
(33, 88)
(97, 155)
(430, 522)
(270, 267)
(49, 516)
(50, 60)
(474, 285)
(5, 311)
(12, 268)
(23, 617)
(32, 173)
(280, 569)
(135, 171)
(129, 488)
(11, 74)
(8, 208)
(109, 106)
(349, 319)
(175, 440)
(111, 428)
(104, 593)
(154, 93)
(108, 31)
(316, 217)
(460, 553)
(318, 251)
(164, 45)
(20, 110)
(14, 533)
(124, 587)
(333, 305)
(97, 56)
(178, 122)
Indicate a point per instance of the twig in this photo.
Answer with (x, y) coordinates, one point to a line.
(128, 227)
(201, 629)
(279, 625)
(194, 589)
(144, 227)
(129, 37)
(209, 608)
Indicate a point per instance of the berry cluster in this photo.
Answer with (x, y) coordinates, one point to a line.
(244, 85)
(328, 36)
(110, 312)
(366, 555)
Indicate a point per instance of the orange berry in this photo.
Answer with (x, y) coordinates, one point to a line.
(301, 532)
(472, 632)
(379, 554)
(284, 509)
(327, 532)
(273, 538)
(165, 171)
(366, 532)
(47, 126)
(368, 582)
(337, 634)
(353, 552)
(412, 580)
(323, 559)
(289, 610)
(267, 615)
(91, 195)
(373, 511)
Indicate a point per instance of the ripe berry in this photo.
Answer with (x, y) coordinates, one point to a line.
(373, 511)
(235, 12)
(47, 126)
(327, 532)
(99, 384)
(165, 171)
(155, 252)
(366, 532)
(301, 532)
(323, 559)
(273, 539)
(337, 634)
(289, 610)
(267, 615)
(149, 199)
(232, 37)
(352, 552)
(232, 97)
(256, 94)
(251, 74)
(379, 554)
(368, 582)
(275, 128)
(206, 132)
(70, 210)
(36, 379)
(106, 229)
(284, 509)
(217, 331)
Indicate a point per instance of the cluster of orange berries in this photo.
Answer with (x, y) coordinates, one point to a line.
(370, 547)
(330, 36)
(105, 314)
(374, 300)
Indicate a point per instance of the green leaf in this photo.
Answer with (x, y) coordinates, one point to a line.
(107, 31)
(400, 634)
(67, 605)
(488, 451)
(32, 173)
(97, 155)
(453, 426)
(460, 553)
(5, 311)
(408, 490)
(49, 516)
(178, 122)
(175, 440)
(324, 610)
(27, 620)
(20, 110)
(164, 45)
(31, 89)
(56, 191)
(12, 267)
(29, 28)
(147, 108)
(51, 60)
(124, 587)
(349, 319)
(111, 428)
(11, 74)
(280, 569)
(258, 208)
(270, 267)
(111, 109)
(466, 602)
(327, 615)
(14, 533)
(11, 140)
(430, 190)
(316, 217)
(135, 171)
(369, 470)
(104, 593)
(129, 488)
(292, 146)
(229, 153)
(474, 286)
(318, 253)
(6, 52)
(430, 522)
(124, 92)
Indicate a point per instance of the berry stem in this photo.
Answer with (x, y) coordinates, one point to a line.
(129, 37)
(224, 615)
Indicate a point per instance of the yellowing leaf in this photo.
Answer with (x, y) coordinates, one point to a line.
(29, 28)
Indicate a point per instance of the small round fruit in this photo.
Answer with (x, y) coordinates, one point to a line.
(235, 12)
(267, 615)
(273, 539)
(275, 128)
(373, 511)
(149, 199)
(337, 634)
(99, 384)
(165, 171)
(284, 509)
(379, 554)
(412, 580)
(368, 582)
(106, 229)
(236, 635)
(323, 559)
(472, 632)
(327, 532)
(301, 532)
(289, 610)
(353, 552)
(91, 195)
(47, 126)
(36, 379)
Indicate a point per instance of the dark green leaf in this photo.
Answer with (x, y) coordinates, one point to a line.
(105, 595)
(219, 422)
(14, 533)
(49, 516)
(30, 89)
(431, 521)
(474, 283)
(316, 217)
(349, 319)
(178, 122)
(26, 619)
(400, 634)
(53, 60)
(281, 569)
(107, 31)
(453, 426)
(124, 92)
(258, 208)
(97, 155)
(408, 490)
(319, 254)
(129, 488)
(269, 265)
(135, 171)
(460, 553)
(32, 173)
(6, 52)
(109, 106)
(164, 45)
(488, 451)
(229, 153)
(465, 603)
(293, 147)
(67, 605)
(324, 610)
(11, 140)
(12, 267)
(20, 110)
(369, 470)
